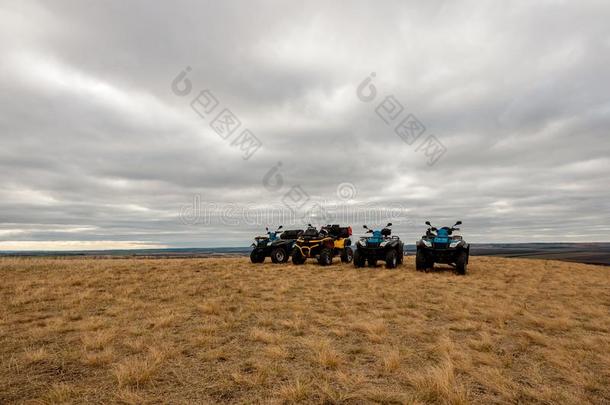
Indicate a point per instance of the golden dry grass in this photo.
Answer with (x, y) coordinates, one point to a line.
(223, 330)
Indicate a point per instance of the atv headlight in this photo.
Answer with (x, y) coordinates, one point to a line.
(382, 244)
(362, 242)
(427, 243)
(454, 243)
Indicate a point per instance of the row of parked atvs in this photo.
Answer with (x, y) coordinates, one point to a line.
(438, 245)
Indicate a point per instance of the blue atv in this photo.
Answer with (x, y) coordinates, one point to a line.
(442, 246)
(278, 248)
(380, 245)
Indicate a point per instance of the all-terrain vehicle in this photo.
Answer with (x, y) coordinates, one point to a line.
(442, 246)
(278, 248)
(380, 245)
(328, 242)
(343, 242)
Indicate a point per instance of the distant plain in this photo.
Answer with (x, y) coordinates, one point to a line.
(590, 253)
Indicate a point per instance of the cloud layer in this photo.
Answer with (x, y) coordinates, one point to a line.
(96, 147)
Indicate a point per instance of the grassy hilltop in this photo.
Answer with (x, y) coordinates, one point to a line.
(223, 330)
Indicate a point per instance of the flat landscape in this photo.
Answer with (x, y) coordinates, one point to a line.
(590, 253)
(217, 330)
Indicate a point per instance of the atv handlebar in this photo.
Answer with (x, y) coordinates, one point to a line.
(453, 228)
(387, 226)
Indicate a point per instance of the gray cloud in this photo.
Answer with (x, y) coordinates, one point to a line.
(96, 147)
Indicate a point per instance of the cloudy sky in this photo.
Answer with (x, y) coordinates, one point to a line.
(497, 114)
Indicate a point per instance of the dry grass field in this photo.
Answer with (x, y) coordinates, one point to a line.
(222, 330)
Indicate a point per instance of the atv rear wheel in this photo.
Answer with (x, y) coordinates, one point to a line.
(359, 259)
(326, 257)
(347, 256)
(461, 263)
(257, 256)
(297, 257)
(279, 255)
(421, 262)
(391, 259)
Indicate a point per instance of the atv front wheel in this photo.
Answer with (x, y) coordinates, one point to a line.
(279, 255)
(391, 260)
(326, 257)
(347, 256)
(461, 263)
(359, 259)
(257, 256)
(421, 262)
(297, 257)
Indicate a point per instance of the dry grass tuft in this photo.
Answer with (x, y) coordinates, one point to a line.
(376, 327)
(210, 308)
(59, 393)
(329, 358)
(98, 359)
(374, 330)
(296, 326)
(295, 391)
(390, 361)
(140, 370)
(36, 355)
(264, 336)
(438, 385)
(323, 352)
(276, 352)
(129, 396)
(221, 330)
(97, 340)
(484, 343)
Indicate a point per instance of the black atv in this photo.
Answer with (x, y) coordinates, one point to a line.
(442, 246)
(270, 245)
(380, 245)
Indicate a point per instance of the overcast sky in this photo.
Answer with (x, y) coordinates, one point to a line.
(102, 146)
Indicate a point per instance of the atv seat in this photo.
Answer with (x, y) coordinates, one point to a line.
(291, 234)
(310, 233)
(337, 231)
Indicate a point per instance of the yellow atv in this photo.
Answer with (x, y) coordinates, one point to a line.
(328, 242)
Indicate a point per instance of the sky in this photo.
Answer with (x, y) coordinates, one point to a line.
(193, 124)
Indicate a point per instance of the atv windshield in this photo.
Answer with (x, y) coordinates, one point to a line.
(443, 232)
(376, 237)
